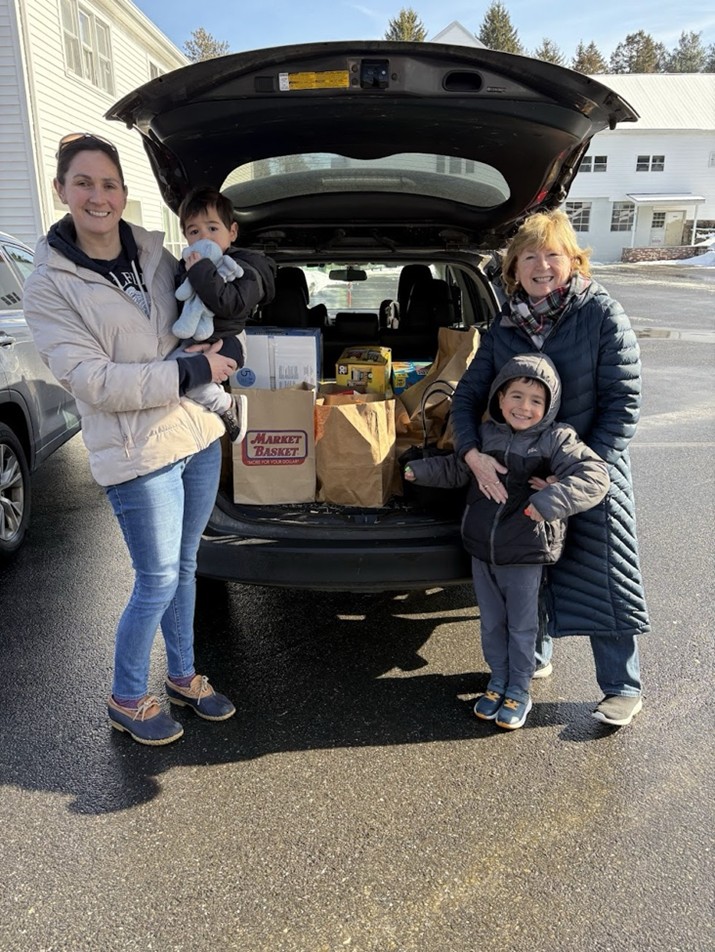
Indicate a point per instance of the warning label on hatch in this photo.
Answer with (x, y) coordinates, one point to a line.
(326, 79)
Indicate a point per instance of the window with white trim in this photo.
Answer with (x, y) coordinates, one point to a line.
(155, 70)
(594, 163)
(622, 216)
(579, 214)
(88, 51)
(658, 220)
(650, 163)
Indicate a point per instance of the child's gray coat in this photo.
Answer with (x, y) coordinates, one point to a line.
(502, 534)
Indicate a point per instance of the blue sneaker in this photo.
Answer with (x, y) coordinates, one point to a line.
(147, 724)
(488, 704)
(512, 713)
(201, 698)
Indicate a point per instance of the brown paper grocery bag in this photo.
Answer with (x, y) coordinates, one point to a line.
(276, 461)
(455, 351)
(355, 451)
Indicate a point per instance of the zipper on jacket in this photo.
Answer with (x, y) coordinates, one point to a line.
(500, 507)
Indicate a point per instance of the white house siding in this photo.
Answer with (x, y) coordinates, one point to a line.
(58, 101)
(19, 208)
(677, 120)
(686, 172)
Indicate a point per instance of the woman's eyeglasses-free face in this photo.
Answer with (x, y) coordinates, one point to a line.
(75, 136)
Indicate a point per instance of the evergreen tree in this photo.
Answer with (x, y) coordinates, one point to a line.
(497, 32)
(406, 26)
(588, 60)
(709, 66)
(203, 46)
(639, 53)
(549, 52)
(689, 56)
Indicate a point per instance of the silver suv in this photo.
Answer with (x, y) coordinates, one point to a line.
(369, 162)
(36, 415)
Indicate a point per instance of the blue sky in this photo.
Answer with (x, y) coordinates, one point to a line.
(566, 22)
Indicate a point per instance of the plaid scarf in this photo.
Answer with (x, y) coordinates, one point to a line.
(539, 318)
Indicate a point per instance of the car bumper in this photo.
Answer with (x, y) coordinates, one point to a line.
(333, 567)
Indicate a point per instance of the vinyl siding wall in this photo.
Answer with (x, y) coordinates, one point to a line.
(19, 208)
(58, 101)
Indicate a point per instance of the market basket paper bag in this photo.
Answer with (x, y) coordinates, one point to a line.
(276, 461)
(355, 450)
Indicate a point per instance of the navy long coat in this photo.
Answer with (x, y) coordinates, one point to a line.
(596, 588)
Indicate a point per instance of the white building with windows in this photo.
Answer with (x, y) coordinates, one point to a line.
(63, 63)
(649, 183)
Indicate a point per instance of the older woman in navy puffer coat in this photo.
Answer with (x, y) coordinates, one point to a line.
(555, 307)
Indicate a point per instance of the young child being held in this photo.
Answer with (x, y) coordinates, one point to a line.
(550, 475)
(206, 213)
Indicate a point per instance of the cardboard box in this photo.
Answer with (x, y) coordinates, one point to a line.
(364, 368)
(405, 373)
(276, 461)
(279, 357)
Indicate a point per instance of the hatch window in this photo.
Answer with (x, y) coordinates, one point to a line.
(454, 178)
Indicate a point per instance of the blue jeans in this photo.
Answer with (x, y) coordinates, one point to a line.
(162, 516)
(507, 596)
(616, 659)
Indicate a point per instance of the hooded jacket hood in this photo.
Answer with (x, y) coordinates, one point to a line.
(534, 367)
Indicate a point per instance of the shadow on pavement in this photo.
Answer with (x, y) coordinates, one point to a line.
(304, 675)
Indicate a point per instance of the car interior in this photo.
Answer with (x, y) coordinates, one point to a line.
(401, 307)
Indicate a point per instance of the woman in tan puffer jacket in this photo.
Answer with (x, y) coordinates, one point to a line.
(100, 306)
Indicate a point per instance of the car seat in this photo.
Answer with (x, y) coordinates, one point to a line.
(291, 282)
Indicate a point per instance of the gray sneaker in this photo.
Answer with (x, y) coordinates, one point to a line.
(617, 709)
(544, 671)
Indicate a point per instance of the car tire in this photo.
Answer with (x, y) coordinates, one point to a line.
(15, 493)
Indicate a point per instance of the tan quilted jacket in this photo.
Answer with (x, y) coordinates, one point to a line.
(102, 348)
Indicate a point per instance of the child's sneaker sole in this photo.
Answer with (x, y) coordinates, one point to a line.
(487, 705)
(522, 708)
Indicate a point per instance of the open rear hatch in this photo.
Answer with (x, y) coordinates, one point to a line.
(397, 112)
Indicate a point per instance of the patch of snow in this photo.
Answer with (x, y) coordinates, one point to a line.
(706, 260)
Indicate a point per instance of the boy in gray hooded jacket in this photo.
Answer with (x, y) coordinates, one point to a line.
(551, 474)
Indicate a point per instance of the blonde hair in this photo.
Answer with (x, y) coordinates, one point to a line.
(544, 229)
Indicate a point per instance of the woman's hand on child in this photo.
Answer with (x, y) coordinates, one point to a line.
(221, 367)
(486, 471)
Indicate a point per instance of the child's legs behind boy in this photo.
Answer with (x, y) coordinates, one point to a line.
(209, 395)
(508, 608)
